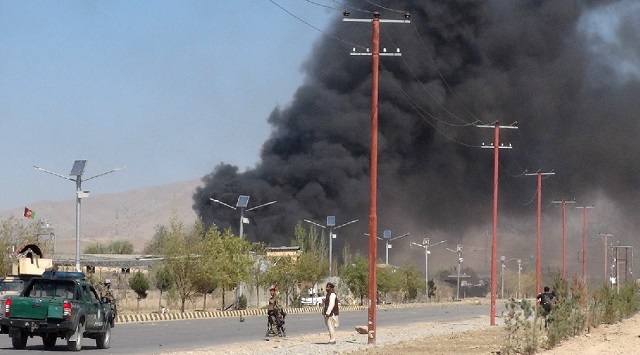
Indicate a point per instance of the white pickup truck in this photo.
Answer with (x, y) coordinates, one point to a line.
(313, 300)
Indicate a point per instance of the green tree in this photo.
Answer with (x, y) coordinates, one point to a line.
(259, 270)
(205, 281)
(282, 272)
(163, 281)
(431, 289)
(182, 251)
(411, 282)
(387, 280)
(115, 247)
(227, 260)
(124, 247)
(155, 245)
(355, 274)
(140, 284)
(313, 263)
(97, 248)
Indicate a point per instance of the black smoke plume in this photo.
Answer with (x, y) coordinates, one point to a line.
(566, 71)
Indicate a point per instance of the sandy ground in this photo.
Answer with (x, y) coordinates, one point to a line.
(469, 337)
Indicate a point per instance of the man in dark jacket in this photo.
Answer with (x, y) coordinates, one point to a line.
(545, 300)
(331, 312)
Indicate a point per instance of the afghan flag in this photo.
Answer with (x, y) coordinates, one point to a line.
(29, 213)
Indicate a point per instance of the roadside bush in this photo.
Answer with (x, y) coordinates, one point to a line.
(520, 323)
(242, 302)
(574, 312)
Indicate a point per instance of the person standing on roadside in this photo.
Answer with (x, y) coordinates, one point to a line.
(331, 312)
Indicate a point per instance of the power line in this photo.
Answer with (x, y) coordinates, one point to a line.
(386, 8)
(339, 39)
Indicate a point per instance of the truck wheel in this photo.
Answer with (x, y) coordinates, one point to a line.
(103, 340)
(49, 340)
(20, 342)
(76, 345)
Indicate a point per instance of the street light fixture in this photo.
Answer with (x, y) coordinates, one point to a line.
(331, 222)
(386, 236)
(77, 170)
(243, 202)
(605, 240)
(503, 261)
(520, 263)
(425, 245)
(459, 251)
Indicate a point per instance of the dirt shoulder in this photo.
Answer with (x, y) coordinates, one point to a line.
(619, 338)
(473, 336)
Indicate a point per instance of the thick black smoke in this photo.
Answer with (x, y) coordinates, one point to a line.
(572, 88)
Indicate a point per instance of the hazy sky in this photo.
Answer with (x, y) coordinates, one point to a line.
(167, 89)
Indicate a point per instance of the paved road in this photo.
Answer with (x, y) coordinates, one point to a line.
(183, 335)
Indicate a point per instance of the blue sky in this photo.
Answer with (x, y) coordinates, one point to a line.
(167, 89)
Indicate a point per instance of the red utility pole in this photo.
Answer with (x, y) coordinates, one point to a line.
(584, 242)
(494, 242)
(373, 227)
(539, 234)
(564, 237)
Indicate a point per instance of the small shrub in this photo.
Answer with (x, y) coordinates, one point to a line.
(520, 323)
(242, 302)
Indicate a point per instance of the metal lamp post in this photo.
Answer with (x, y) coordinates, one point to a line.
(387, 238)
(459, 251)
(503, 261)
(425, 245)
(605, 240)
(77, 170)
(243, 202)
(331, 222)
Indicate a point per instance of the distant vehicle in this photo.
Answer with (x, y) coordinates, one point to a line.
(58, 305)
(314, 299)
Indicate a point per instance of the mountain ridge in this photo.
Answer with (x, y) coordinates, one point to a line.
(131, 215)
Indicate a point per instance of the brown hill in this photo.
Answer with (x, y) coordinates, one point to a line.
(131, 215)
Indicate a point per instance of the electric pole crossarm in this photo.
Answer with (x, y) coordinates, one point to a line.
(491, 146)
(347, 19)
(384, 53)
(514, 125)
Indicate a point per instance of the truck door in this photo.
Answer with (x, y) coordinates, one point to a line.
(91, 307)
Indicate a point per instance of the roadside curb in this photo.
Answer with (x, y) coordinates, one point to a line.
(154, 317)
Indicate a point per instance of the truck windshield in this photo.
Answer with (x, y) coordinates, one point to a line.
(11, 285)
(51, 288)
